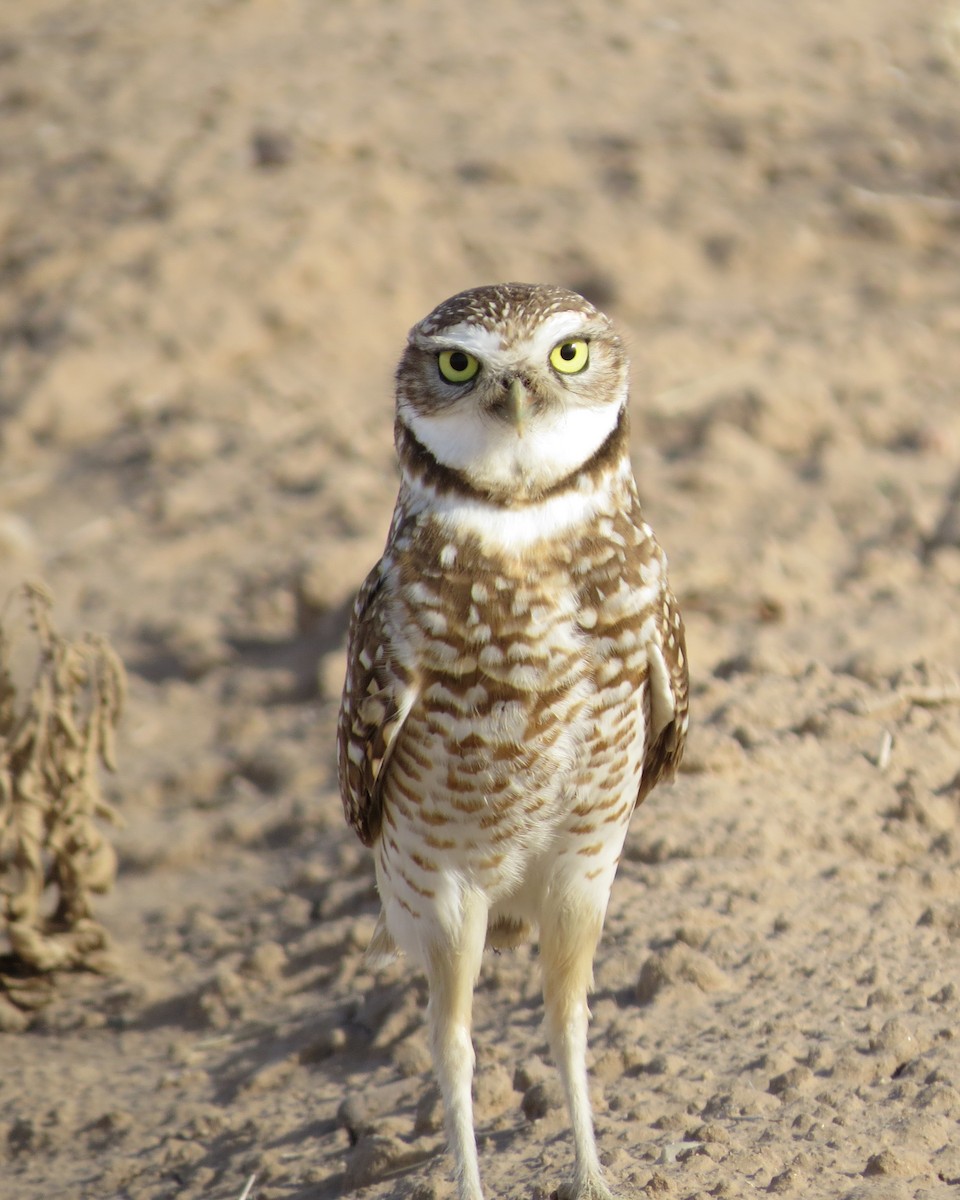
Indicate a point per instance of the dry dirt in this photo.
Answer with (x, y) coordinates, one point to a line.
(218, 218)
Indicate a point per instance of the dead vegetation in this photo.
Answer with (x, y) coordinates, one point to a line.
(53, 853)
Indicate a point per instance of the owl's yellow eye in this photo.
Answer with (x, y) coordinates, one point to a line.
(457, 366)
(570, 358)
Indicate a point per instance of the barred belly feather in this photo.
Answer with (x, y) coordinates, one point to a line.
(524, 751)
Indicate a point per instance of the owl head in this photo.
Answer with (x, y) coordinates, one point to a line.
(512, 387)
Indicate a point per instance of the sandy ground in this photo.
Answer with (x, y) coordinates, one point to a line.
(218, 219)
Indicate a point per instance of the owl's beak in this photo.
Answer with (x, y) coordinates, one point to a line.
(517, 405)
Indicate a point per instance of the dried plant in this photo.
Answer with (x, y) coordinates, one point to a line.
(53, 854)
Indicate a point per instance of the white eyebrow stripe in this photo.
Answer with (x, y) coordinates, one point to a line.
(555, 329)
(483, 343)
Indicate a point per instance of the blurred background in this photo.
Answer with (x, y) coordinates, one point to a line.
(218, 219)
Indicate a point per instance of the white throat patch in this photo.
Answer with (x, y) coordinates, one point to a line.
(492, 455)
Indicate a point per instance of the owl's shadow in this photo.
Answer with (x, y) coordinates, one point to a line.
(168, 654)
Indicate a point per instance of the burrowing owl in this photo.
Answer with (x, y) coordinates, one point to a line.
(517, 678)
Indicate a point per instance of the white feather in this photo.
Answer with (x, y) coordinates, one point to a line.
(510, 530)
(493, 454)
(663, 705)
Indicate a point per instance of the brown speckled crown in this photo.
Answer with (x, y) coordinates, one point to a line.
(491, 306)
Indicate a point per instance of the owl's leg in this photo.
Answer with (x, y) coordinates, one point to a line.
(569, 933)
(453, 965)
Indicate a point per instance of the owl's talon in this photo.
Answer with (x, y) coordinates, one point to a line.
(591, 1189)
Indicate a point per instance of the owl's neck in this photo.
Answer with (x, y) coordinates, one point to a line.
(601, 486)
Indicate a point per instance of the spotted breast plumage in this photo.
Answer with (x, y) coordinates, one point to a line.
(517, 679)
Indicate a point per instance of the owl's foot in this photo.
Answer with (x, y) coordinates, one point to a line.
(591, 1188)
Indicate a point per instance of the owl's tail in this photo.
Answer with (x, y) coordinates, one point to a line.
(382, 948)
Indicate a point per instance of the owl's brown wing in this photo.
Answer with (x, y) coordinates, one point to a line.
(667, 691)
(377, 696)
